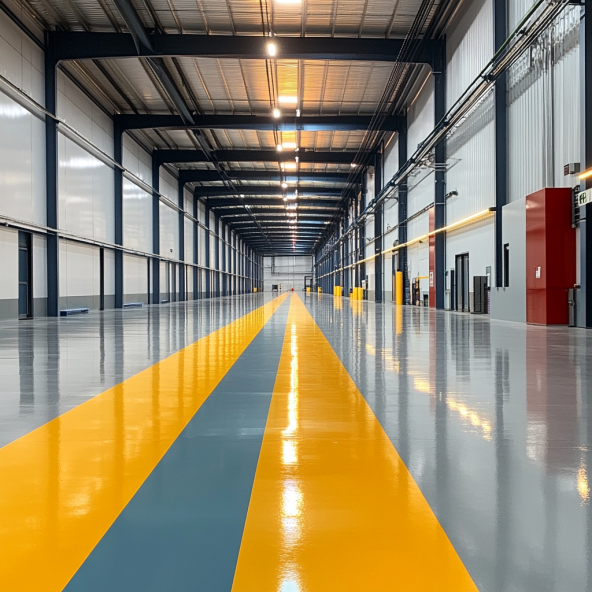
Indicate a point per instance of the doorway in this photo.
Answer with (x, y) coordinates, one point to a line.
(461, 281)
(25, 287)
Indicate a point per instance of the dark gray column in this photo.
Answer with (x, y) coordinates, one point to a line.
(402, 212)
(155, 231)
(584, 303)
(217, 253)
(378, 223)
(440, 186)
(118, 210)
(195, 247)
(181, 203)
(208, 272)
(500, 17)
(51, 179)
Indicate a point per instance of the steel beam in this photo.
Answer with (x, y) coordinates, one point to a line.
(206, 176)
(258, 190)
(91, 46)
(277, 203)
(51, 181)
(254, 122)
(500, 12)
(185, 156)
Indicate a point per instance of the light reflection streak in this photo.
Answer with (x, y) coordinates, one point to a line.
(292, 499)
(583, 485)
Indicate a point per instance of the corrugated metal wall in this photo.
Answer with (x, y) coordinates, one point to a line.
(544, 108)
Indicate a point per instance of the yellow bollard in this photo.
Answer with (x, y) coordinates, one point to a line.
(254, 289)
(308, 289)
(319, 290)
(399, 288)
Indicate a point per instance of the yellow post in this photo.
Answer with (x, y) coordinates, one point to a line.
(319, 290)
(308, 289)
(399, 288)
(254, 289)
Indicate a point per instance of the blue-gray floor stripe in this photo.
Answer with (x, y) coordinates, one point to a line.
(182, 530)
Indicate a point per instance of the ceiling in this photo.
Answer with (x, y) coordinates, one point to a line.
(277, 177)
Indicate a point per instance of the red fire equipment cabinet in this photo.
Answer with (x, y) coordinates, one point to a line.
(550, 256)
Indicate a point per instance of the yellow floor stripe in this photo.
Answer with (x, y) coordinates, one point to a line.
(333, 508)
(64, 484)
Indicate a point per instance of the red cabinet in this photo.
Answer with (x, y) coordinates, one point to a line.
(550, 256)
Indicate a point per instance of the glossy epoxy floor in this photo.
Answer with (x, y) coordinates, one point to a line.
(301, 444)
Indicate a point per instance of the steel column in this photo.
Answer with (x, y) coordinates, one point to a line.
(440, 185)
(181, 203)
(51, 180)
(402, 216)
(500, 15)
(195, 248)
(584, 302)
(207, 254)
(378, 230)
(155, 231)
(217, 254)
(118, 211)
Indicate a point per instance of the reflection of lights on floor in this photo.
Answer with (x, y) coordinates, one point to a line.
(290, 586)
(583, 486)
(290, 453)
(292, 501)
(468, 415)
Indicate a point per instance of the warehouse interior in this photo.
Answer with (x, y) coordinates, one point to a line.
(293, 295)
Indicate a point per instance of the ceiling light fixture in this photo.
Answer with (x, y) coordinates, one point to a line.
(279, 147)
(287, 100)
(289, 145)
(284, 185)
(297, 112)
(276, 113)
(271, 49)
(289, 166)
(353, 165)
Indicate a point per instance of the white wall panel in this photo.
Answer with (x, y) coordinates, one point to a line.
(169, 186)
(189, 229)
(135, 277)
(169, 232)
(86, 205)
(21, 61)
(8, 264)
(517, 9)
(77, 110)
(469, 46)
(471, 159)
(543, 113)
(79, 272)
(22, 163)
(136, 159)
(109, 260)
(420, 116)
(478, 241)
(39, 266)
(287, 271)
(137, 217)
(201, 245)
